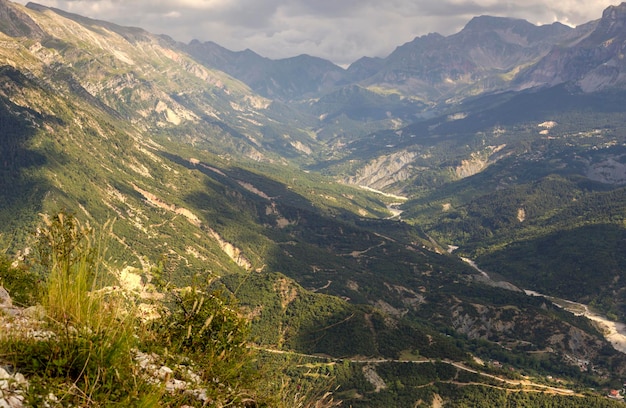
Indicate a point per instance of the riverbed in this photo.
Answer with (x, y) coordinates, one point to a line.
(614, 332)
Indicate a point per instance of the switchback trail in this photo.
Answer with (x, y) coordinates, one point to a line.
(526, 384)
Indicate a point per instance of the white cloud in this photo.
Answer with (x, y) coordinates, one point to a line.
(339, 30)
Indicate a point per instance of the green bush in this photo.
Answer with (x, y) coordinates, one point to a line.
(206, 328)
(22, 283)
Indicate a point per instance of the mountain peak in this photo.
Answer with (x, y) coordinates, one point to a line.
(613, 20)
(615, 12)
(593, 63)
(516, 25)
(491, 22)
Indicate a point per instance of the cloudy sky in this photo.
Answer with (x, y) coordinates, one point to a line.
(339, 30)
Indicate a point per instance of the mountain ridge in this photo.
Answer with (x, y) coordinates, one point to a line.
(455, 63)
(593, 63)
(17, 23)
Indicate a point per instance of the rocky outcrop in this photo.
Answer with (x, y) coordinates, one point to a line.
(5, 298)
(473, 165)
(481, 322)
(509, 325)
(384, 171)
(611, 170)
(232, 251)
(13, 385)
(370, 374)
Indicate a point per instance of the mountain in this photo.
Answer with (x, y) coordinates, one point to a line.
(133, 58)
(485, 55)
(365, 67)
(489, 54)
(16, 23)
(477, 59)
(285, 79)
(203, 177)
(593, 62)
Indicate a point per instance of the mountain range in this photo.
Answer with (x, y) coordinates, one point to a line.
(337, 204)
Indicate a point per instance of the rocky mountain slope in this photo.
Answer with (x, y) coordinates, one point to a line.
(593, 62)
(482, 57)
(286, 79)
(179, 93)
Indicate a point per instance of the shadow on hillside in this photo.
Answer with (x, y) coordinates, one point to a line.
(535, 106)
(313, 323)
(301, 254)
(21, 191)
(256, 209)
(322, 249)
(583, 264)
(254, 188)
(568, 106)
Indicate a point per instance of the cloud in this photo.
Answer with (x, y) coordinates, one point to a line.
(339, 30)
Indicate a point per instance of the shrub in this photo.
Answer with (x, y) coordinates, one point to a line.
(22, 283)
(205, 326)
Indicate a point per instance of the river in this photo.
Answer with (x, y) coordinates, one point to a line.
(614, 332)
(392, 207)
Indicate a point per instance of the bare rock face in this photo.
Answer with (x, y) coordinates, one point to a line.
(12, 388)
(12, 385)
(611, 170)
(613, 22)
(478, 55)
(385, 170)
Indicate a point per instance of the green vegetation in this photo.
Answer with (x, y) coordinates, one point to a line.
(88, 345)
(22, 284)
(93, 339)
(551, 235)
(198, 328)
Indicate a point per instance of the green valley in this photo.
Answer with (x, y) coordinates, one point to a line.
(224, 238)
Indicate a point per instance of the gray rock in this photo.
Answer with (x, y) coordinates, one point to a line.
(5, 298)
(4, 374)
(15, 401)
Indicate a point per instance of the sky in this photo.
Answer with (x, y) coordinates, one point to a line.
(341, 31)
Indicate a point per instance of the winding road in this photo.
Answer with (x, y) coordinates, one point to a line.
(525, 384)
